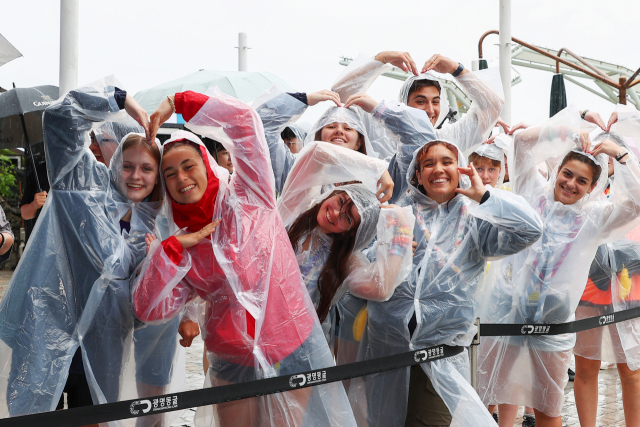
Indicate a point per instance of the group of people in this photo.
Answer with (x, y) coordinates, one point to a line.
(383, 228)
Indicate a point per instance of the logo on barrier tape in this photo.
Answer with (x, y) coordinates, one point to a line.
(431, 353)
(534, 329)
(158, 404)
(603, 320)
(311, 378)
(137, 403)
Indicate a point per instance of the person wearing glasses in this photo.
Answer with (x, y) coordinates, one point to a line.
(329, 229)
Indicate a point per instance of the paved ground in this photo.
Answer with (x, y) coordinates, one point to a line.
(610, 412)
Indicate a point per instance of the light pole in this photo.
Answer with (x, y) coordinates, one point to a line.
(505, 57)
(69, 19)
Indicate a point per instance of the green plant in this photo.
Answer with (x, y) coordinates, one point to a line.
(7, 179)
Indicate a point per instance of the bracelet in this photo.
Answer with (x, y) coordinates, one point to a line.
(584, 113)
(173, 106)
(621, 155)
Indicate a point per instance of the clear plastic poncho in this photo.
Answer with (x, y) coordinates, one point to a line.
(278, 109)
(613, 285)
(260, 321)
(455, 240)
(320, 165)
(110, 134)
(468, 131)
(544, 283)
(71, 287)
(300, 130)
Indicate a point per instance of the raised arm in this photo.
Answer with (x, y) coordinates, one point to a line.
(278, 110)
(66, 124)
(412, 129)
(321, 163)
(622, 213)
(237, 126)
(485, 110)
(548, 141)
(378, 280)
(359, 75)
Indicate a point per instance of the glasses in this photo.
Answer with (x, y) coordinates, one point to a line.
(343, 205)
(95, 142)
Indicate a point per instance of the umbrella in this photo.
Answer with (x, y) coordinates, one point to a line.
(246, 86)
(24, 104)
(7, 51)
(21, 116)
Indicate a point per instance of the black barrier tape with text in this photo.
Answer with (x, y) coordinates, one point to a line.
(209, 396)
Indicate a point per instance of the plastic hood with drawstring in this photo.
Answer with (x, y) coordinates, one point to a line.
(455, 239)
(278, 110)
(71, 287)
(467, 132)
(319, 165)
(544, 283)
(259, 319)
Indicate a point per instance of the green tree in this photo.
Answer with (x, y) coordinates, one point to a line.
(7, 179)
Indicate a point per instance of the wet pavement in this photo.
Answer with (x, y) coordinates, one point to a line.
(610, 411)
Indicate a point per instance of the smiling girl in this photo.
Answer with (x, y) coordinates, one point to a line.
(328, 231)
(230, 248)
(71, 287)
(548, 279)
(339, 126)
(460, 224)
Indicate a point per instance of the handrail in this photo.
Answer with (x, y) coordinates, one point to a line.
(606, 80)
(579, 58)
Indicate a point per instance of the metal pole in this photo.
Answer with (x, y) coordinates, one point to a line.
(623, 91)
(33, 162)
(69, 19)
(473, 357)
(505, 57)
(242, 51)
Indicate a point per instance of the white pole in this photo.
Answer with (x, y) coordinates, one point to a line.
(505, 57)
(242, 51)
(69, 19)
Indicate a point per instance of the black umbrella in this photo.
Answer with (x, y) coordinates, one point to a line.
(21, 116)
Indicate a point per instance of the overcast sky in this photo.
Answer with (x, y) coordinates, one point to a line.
(145, 43)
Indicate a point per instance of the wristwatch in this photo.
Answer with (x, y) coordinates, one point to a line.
(457, 72)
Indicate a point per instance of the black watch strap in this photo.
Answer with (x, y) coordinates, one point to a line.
(457, 72)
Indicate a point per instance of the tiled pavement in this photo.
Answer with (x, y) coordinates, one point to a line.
(610, 412)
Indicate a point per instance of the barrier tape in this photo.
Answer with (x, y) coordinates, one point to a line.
(209, 396)
(503, 330)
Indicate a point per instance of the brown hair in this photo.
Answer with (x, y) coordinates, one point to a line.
(334, 271)
(596, 169)
(475, 157)
(182, 143)
(363, 146)
(423, 152)
(420, 83)
(141, 141)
